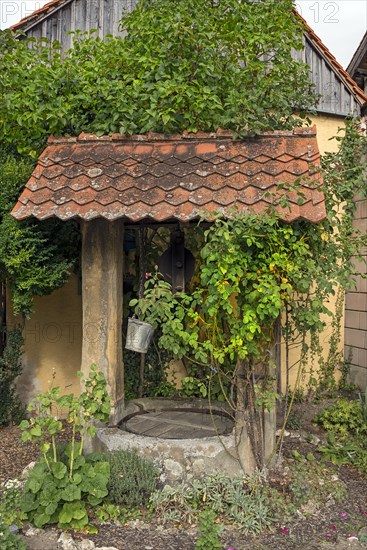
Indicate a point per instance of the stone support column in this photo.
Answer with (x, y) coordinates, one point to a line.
(102, 284)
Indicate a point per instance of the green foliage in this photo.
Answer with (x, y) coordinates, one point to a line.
(108, 511)
(247, 502)
(192, 387)
(9, 541)
(35, 258)
(62, 484)
(313, 482)
(11, 498)
(11, 409)
(294, 422)
(346, 450)
(59, 492)
(261, 261)
(343, 417)
(155, 372)
(363, 403)
(133, 477)
(209, 531)
(184, 65)
(347, 438)
(15, 170)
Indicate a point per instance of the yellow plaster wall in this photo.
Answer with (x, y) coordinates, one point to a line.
(327, 127)
(53, 341)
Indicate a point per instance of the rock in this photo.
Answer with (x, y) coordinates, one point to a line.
(33, 532)
(285, 434)
(67, 542)
(107, 548)
(310, 508)
(27, 470)
(86, 544)
(14, 528)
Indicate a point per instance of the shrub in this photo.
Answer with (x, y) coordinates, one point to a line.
(11, 409)
(63, 482)
(314, 482)
(346, 450)
(133, 478)
(248, 503)
(209, 531)
(9, 541)
(343, 417)
(11, 503)
(52, 495)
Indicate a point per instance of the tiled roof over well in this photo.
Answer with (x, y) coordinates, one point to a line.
(182, 177)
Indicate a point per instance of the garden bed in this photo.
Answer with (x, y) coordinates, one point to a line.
(330, 526)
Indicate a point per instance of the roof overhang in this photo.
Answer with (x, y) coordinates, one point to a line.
(175, 177)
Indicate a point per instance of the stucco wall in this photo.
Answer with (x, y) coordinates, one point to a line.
(327, 127)
(52, 341)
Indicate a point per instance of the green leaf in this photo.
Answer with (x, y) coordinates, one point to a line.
(59, 469)
(36, 431)
(71, 492)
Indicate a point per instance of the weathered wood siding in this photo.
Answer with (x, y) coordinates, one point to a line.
(355, 337)
(104, 16)
(83, 15)
(335, 98)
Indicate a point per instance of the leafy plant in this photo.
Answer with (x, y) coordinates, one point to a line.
(181, 66)
(294, 422)
(11, 498)
(209, 531)
(8, 540)
(346, 450)
(62, 483)
(53, 496)
(363, 402)
(193, 387)
(248, 503)
(133, 477)
(343, 417)
(313, 482)
(11, 409)
(35, 258)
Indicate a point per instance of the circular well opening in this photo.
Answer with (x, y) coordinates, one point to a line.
(178, 423)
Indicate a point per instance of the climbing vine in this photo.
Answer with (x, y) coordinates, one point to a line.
(255, 269)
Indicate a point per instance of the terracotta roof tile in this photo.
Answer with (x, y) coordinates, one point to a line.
(133, 177)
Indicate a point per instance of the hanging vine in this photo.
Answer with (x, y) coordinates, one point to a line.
(253, 270)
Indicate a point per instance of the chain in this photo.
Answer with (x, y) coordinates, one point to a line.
(142, 259)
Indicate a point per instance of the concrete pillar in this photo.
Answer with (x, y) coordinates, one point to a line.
(102, 283)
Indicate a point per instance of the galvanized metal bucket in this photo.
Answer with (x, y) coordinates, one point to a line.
(139, 335)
